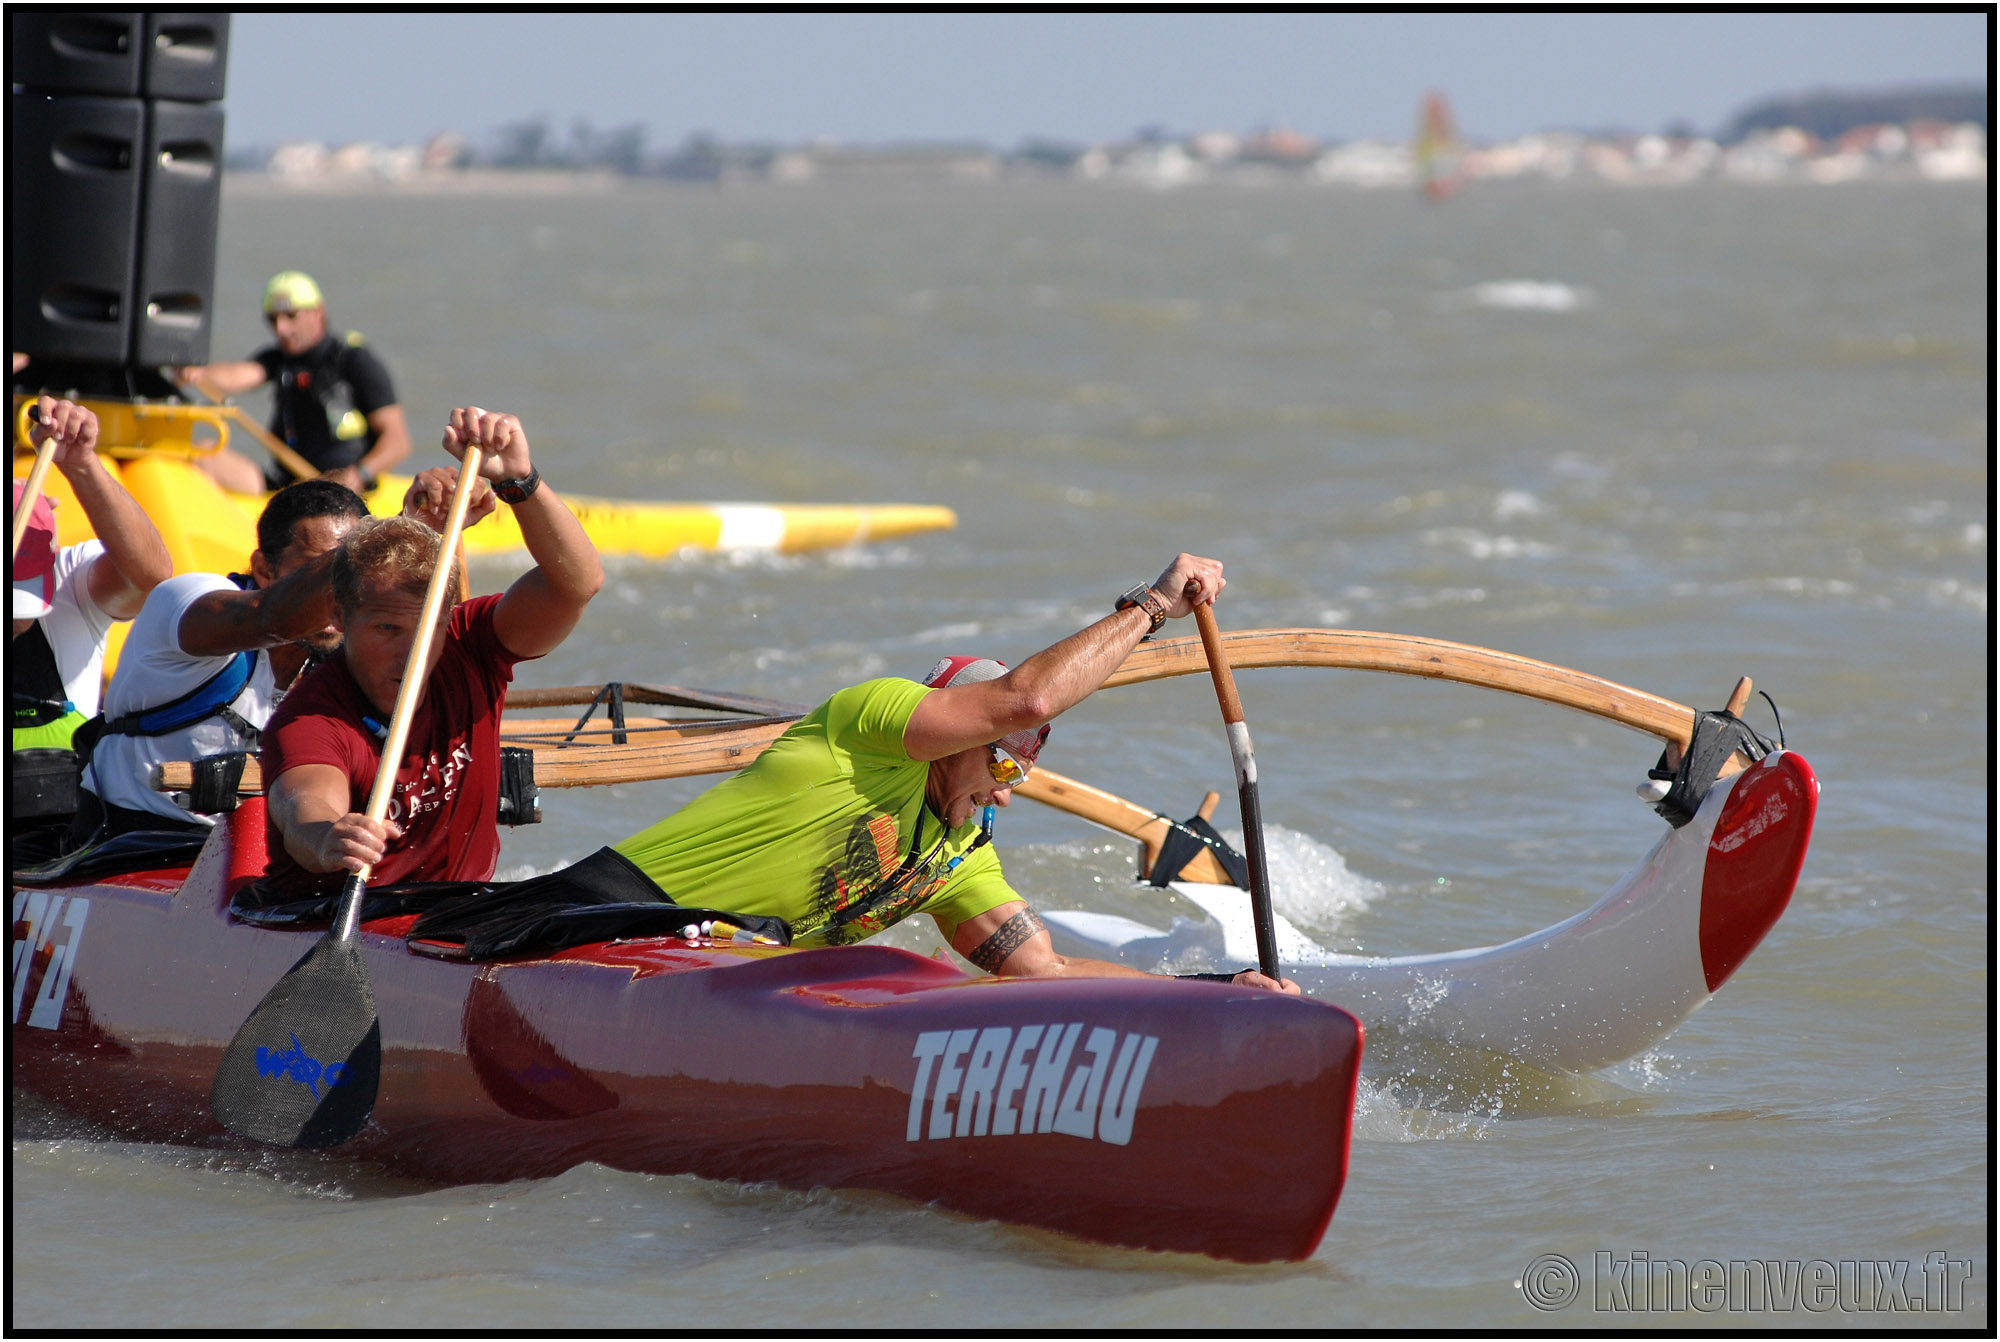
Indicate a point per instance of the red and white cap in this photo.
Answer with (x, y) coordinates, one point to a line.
(35, 565)
(1024, 746)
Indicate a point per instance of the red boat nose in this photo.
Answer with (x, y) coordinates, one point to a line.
(1753, 860)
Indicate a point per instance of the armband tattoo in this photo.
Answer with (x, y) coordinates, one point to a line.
(993, 952)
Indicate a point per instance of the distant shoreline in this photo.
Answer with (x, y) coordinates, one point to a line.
(468, 182)
(497, 183)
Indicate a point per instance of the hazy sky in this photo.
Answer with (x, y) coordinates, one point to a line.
(1078, 77)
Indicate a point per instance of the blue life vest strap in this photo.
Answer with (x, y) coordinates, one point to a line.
(211, 698)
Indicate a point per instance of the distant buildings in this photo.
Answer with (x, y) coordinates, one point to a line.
(305, 161)
(1923, 150)
(1919, 150)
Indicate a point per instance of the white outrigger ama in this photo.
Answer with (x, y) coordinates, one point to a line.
(1592, 990)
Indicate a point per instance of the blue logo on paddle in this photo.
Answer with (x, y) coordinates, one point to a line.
(301, 1067)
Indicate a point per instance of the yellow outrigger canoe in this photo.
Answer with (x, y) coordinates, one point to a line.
(152, 448)
(208, 529)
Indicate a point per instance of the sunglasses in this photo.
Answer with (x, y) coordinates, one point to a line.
(1006, 770)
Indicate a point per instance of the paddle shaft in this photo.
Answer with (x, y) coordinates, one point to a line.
(349, 918)
(279, 449)
(300, 468)
(36, 475)
(1245, 760)
(306, 1066)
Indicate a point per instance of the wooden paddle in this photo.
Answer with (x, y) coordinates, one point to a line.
(304, 1068)
(1246, 784)
(300, 468)
(37, 473)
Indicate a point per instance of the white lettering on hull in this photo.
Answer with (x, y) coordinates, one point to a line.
(47, 927)
(984, 1069)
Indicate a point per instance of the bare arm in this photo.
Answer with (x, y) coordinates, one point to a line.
(135, 559)
(220, 623)
(1012, 942)
(392, 441)
(537, 613)
(309, 805)
(217, 380)
(1053, 680)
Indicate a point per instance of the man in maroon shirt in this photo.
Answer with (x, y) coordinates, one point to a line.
(322, 748)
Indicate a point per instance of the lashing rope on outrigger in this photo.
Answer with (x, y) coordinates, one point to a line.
(1184, 842)
(614, 695)
(615, 691)
(1717, 735)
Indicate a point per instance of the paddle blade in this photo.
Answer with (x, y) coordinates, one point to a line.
(304, 1069)
(1260, 878)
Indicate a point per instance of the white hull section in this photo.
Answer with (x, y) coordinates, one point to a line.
(1594, 989)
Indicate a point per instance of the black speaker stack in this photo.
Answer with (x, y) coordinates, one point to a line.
(115, 132)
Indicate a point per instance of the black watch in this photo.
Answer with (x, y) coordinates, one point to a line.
(1144, 597)
(518, 490)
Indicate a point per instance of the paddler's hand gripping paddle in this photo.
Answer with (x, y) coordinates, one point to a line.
(37, 473)
(1246, 783)
(304, 1069)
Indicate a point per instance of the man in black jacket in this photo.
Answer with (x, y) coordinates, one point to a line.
(333, 402)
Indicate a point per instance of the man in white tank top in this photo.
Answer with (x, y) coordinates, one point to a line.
(243, 637)
(65, 599)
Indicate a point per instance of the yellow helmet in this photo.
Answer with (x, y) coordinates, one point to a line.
(290, 291)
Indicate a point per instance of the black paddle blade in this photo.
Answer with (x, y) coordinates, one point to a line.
(304, 1069)
(1260, 879)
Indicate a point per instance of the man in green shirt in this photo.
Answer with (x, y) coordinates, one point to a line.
(863, 812)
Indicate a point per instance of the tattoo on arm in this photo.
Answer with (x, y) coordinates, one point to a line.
(221, 623)
(993, 952)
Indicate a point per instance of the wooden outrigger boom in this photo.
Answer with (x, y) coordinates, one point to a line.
(1408, 655)
(597, 751)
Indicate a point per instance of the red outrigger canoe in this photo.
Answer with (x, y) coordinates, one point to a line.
(1197, 1117)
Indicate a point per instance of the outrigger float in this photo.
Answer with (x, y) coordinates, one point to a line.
(1604, 985)
(1151, 1113)
(153, 447)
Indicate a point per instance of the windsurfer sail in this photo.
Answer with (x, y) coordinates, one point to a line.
(1438, 154)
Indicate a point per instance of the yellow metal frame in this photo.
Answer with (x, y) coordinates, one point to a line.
(133, 429)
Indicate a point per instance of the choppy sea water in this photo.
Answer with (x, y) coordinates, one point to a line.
(1666, 437)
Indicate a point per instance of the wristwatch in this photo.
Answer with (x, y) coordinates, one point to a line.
(1144, 597)
(518, 490)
